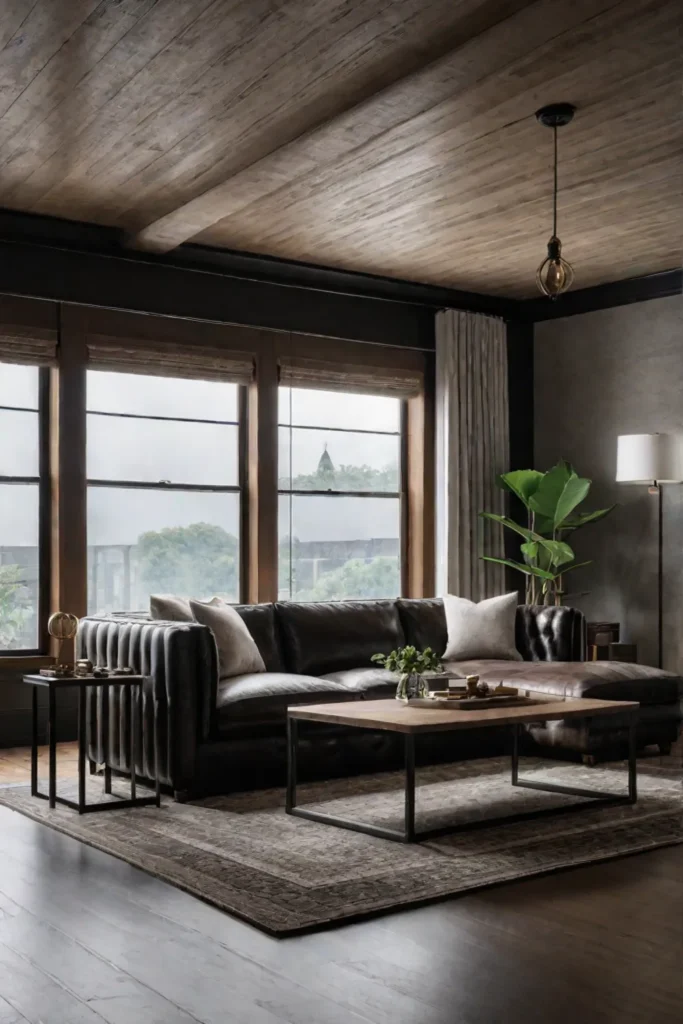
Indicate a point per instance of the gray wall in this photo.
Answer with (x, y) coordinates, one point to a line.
(618, 371)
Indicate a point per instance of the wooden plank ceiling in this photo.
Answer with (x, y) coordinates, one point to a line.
(396, 138)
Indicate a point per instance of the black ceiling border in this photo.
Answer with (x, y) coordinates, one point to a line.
(55, 232)
(411, 299)
(603, 296)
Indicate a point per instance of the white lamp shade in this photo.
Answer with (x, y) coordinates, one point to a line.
(646, 458)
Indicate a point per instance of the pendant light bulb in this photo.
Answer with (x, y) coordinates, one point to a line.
(555, 275)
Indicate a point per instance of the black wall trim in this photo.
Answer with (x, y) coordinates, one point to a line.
(604, 296)
(310, 276)
(69, 261)
(96, 279)
(53, 233)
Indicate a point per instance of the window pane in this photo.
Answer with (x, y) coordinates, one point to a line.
(144, 542)
(18, 567)
(161, 396)
(338, 409)
(153, 450)
(19, 445)
(334, 460)
(334, 548)
(19, 386)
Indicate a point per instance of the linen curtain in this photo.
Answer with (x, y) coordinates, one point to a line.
(472, 449)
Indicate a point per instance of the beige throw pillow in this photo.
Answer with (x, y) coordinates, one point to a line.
(484, 630)
(170, 608)
(237, 652)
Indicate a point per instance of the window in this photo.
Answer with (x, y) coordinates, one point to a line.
(339, 495)
(163, 489)
(21, 473)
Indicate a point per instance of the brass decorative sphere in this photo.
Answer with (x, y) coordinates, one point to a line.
(62, 626)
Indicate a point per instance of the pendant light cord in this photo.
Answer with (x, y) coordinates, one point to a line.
(555, 184)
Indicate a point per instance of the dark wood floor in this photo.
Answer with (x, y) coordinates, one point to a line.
(86, 939)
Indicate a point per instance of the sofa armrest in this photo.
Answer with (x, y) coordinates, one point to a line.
(180, 662)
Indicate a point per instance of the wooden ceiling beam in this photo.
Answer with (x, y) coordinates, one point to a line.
(494, 37)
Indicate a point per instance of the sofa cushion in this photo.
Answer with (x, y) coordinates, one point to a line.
(483, 629)
(604, 680)
(169, 608)
(369, 682)
(322, 638)
(265, 696)
(260, 621)
(237, 652)
(424, 623)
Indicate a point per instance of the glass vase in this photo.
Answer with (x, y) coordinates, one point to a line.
(411, 685)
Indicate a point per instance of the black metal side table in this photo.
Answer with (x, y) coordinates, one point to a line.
(55, 683)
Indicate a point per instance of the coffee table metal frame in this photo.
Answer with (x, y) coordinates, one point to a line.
(55, 683)
(409, 833)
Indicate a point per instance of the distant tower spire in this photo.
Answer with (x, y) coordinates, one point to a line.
(325, 465)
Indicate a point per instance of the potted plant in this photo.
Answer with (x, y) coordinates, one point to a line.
(551, 500)
(411, 665)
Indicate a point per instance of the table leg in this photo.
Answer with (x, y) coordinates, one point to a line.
(106, 742)
(134, 690)
(52, 744)
(292, 737)
(81, 749)
(157, 746)
(632, 776)
(515, 754)
(34, 740)
(409, 826)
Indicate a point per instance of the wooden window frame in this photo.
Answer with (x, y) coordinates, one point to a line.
(185, 488)
(63, 447)
(10, 658)
(400, 494)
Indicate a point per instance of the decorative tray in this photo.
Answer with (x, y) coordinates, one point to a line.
(465, 703)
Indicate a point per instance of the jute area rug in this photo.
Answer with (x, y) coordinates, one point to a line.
(243, 854)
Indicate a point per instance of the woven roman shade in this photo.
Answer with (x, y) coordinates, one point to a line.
(32, 346)
(296, 372)
(169, 359)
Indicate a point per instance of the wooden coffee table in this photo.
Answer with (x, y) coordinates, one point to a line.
(392, 716)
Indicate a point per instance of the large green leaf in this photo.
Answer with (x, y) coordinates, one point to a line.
(528, 570)
(510, 523)
(581, 518)
(574, 492)
(579, 565)
(544, 500)
(522, 482)
(530, 552)
(560, 552)
(543, 526)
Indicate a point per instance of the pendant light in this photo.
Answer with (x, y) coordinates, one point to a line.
(555, 274)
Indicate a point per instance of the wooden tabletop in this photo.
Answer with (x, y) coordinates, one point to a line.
(35, 679)
(393, 716)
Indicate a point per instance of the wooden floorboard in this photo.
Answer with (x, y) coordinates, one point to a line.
(86, 938)
(15, 765)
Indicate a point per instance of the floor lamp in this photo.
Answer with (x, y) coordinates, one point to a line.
(652, 459)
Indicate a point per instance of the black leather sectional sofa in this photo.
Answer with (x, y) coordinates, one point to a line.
(222, 736)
